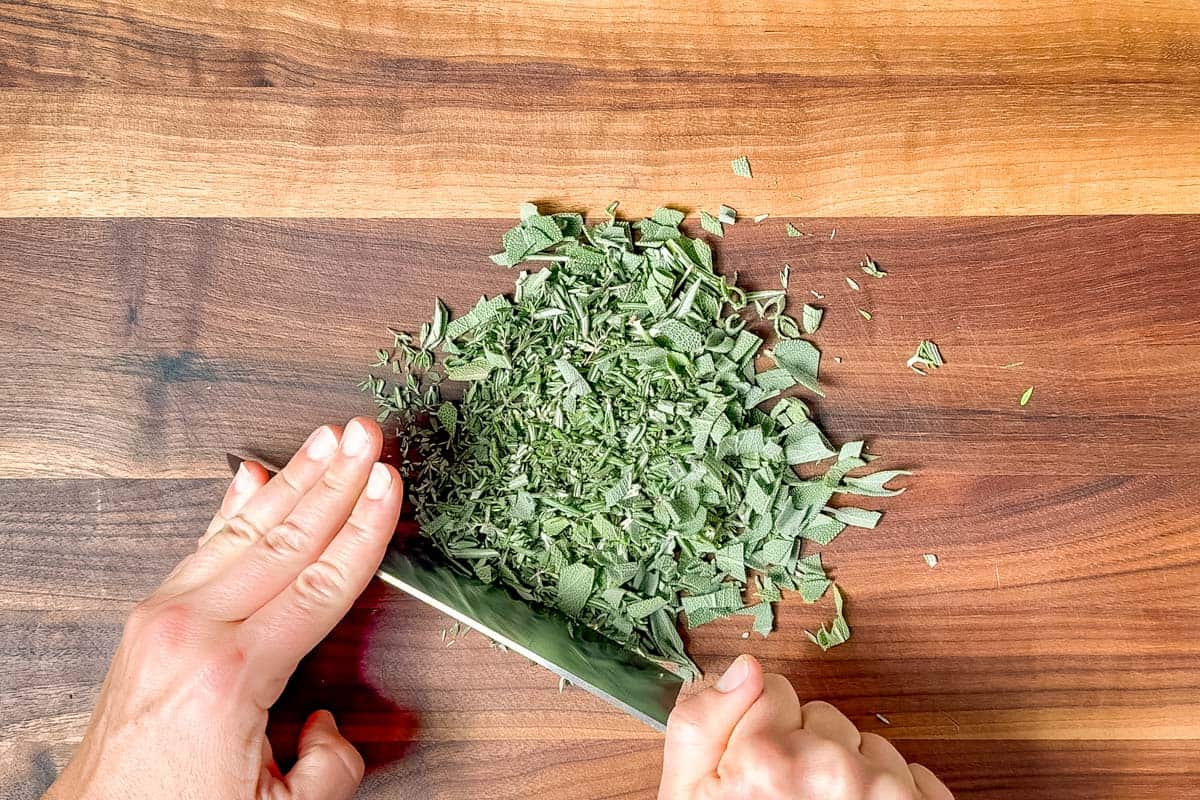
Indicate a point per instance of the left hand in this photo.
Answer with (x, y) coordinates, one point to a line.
(183, 711)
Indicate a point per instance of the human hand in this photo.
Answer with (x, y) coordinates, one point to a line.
(183, 711)
(748, 736)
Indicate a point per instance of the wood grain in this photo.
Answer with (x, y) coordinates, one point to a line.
(174, 340)
(314, 43)
(439, 150)
(1052, 651)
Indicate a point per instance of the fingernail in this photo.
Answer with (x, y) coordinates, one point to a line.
(321, 444)
(379, 482)
(355, 439)
(735, 676)
(242, 480)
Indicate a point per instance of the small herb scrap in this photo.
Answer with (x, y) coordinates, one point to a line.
(1025, 397)
(931, 560)
(793, 231)
(927, 356)
(871, 268)
(760, 218)
(867, 315)
(727, 215)
(883, 719)
(741, 167)
(810, 319)
(1013, 365)
(598, 441)
(712, 224)
(853, 284)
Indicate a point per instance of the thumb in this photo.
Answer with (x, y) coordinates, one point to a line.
(699, 728)
(327, 765)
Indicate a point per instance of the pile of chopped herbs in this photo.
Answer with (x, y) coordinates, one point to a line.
(615, 453)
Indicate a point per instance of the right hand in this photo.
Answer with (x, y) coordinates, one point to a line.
(749, 736)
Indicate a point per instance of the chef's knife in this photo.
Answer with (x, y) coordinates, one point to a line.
(575, 652)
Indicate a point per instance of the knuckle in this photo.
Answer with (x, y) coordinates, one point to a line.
(827, 770)
(320, 583)
(286, 539)
(888, 786)
(167, 626)
(289, 482)
(335, 481)
(686, 718)
(240, 529)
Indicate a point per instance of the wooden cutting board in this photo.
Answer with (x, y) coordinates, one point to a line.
(211, 216)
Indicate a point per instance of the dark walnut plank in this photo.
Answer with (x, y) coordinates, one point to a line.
(450, 149)
(327, 43)
(1085, 651)
(149, 347)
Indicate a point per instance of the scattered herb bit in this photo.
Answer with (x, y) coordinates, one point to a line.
(785, 275)
(867, 315)
(793, 231)
(760, 218)
(563, 683)
(883, 719)
(853, 284)
(871, 268)
(603, 448)
(816, 294)
(927, 356)
(741, 167)
(727, 215)
(1025, 397)
(1013, 365)
(612, 208)
(811, 318)
(832, 234)
(838, 359)
(745, 634)
(711, 224)
(838, 632)
(931, 560)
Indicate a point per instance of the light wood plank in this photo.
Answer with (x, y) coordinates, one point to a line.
(319, 42)
(435, 150)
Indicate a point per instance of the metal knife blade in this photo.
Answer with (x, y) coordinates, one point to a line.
(627, 680)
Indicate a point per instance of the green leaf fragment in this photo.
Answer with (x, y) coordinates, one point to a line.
(811, 318)
(853, 284)
(927, 356)
(741, 167)
(727, 215)
(793, 231)
(838, 631)
(1028, 393)
(867, 315)
(871, 268)
(711, 224)
(575, 587)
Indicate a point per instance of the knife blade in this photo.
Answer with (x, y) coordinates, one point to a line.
(627, 680)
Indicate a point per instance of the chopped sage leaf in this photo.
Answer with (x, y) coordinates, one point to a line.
(1026, 395)
(811, 318)
(741, 167)
(727, 215)
(931, 560)
(853, 284)
(793, 231)
(927, 356)
(871, 268)
(760, 218)
(711, 224)
(867, 315)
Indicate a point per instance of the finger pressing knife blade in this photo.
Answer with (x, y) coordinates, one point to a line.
(625, 679)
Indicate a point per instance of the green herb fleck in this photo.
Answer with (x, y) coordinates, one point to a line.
(867, 315)
(727, 215)
(711, 224)
(793, 231)
(741, 167)
(927, 356)
(760, 218)
(1025, 397)
(871, 268)
(811, 318)
(853, 284)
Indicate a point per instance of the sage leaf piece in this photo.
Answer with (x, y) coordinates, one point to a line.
(712, 224)
(927, 356)
(811, 318)
(1028, 393)
(741, 167)
(871, 268)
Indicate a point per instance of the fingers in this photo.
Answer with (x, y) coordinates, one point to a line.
(327, 765)
(269, 505)
(880, 752)
(827, 722)
(928, 784)
(293, 543)
(250, 477)
(699, 728)
(293, 622)
(776, 713)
